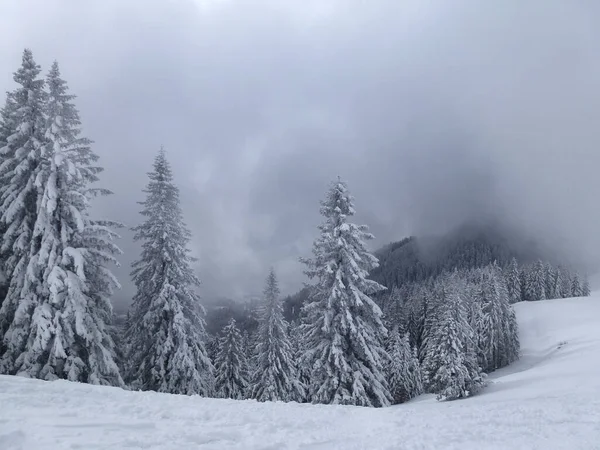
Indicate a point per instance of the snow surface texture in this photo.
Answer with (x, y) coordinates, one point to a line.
(550, 399)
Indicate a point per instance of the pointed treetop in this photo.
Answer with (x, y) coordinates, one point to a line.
(29, 70)
(338, 201)
(54, 70)
(271, 290)
(56, 85)
(162, 167)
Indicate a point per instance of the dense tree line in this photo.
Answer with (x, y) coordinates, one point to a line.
(417, 259)
(357, 335)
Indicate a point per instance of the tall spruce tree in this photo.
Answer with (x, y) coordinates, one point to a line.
(536, 282)
(496, 328)
(576, 289)
(345, 330)
(513, 282)
(417, 314)
(566, 282)
(65, 307)
(585, 287)
(549, 276)
(73, 255)
(433, 309)
(298, 342)
(231, 367)
(20, 158)
(166, 331)
(450, 368)
(558, 283)
(403, 369)
(276, 377)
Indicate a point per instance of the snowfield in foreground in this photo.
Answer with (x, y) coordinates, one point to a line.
(550, 399)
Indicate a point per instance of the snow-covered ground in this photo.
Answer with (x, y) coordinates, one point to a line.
(550, 399)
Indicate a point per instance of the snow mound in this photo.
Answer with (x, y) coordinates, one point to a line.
(550, 399)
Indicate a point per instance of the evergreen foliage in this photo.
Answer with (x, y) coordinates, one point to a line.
(576, 289)
(275, 377)
(535, 282)
(403, 369)
(299, 348)
(549, 285)
(585, 287)
(166, 331)
(513, 282)
(496, 327)
(7, 128)
(344, 325)
(417, 259)
(231, 367)
(57, 315)
(450, 367)
(20, 157)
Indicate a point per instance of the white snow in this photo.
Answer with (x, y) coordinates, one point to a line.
(550, 399)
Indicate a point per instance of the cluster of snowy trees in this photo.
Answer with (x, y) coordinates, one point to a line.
(352, 342)
(542, 281)
(340, 352)
(419, 259)
(463, 318)
(442, 338)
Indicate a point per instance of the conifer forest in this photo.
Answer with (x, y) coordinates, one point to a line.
(371, 327)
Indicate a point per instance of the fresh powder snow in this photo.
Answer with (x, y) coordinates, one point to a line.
(549, 399)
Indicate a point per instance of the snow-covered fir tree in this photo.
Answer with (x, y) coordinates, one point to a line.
(345, 331)
(566, 282)
(249, 344)
(298, 342)
(68, 283)
(212, 345)
(20, 158)
(450, 368)
(549, 276)
(536, 282)
(513, 282)
(231, 367)
(432, 315)
(417, 313)
(166, 333)
(7, 128)
(558, 283)
(75, 252)
(585, 287)
(576, 290)
(393, 310)
(275, 376)
(496, 328)
(403, 368)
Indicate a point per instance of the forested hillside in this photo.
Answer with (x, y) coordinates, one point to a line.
(416, 259)
(420, 260)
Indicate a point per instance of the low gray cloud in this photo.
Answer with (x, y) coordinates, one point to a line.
(435, 112)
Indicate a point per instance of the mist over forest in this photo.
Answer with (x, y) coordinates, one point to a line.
(436, 114)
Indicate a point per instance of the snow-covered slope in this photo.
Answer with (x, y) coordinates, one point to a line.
(550, 399)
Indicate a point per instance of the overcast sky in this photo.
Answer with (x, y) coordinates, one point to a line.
(433, 111)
